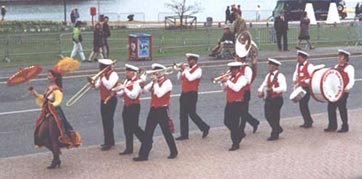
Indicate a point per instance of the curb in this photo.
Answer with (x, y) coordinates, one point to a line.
(207, 62)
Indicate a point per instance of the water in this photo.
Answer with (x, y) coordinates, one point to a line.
(144, 10)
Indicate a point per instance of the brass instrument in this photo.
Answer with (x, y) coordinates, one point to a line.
(177, 66)
(91, 82)
(166, 71)
(243, 44)
(218, 78)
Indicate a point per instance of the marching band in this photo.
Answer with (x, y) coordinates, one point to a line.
(236, 82)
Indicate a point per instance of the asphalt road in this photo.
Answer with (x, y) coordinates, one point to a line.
(18, 111)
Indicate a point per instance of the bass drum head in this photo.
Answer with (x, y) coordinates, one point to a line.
(332, 85)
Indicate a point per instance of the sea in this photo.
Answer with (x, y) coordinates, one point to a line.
(143, 10)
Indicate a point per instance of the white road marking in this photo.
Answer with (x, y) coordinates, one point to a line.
(208, 66)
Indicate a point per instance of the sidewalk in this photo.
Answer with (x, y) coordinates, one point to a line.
(92, 68)
(300, 153)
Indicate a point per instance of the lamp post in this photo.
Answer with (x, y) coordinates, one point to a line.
(65, 12)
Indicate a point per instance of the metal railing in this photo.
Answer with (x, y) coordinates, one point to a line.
(33, 46)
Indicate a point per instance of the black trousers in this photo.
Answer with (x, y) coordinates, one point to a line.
(130, 115)
(249, 118)
(188, 108)
(283, 35)
(304, 108)
(106, 48)
(234, 120)
(272, 114)
(157, 116)
(107, 113)
(332, 114)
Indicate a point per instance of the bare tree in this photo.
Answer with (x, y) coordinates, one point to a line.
(182, 10)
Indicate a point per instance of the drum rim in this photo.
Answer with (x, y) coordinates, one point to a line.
(321, 87)
(322, 90)
(311, 89)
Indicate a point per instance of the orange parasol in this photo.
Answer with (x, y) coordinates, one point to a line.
(24, 75)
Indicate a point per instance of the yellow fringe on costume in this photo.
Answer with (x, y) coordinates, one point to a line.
(67, 65)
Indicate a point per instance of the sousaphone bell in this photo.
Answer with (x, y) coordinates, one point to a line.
(243, 44)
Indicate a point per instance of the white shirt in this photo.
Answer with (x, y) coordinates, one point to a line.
(242, 81)
(190, 77)
(159, 91)
(248, 73)
(134, 93)
(109, 84)
(281, 80)
(310, 71)
(350, 72)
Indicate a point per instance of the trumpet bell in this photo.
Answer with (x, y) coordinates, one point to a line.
(243, 44)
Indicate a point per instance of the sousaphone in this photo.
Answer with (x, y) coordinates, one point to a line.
(243, 44)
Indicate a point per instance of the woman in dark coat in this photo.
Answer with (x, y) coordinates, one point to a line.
(52, 129)
(304, 31)
(98, 42)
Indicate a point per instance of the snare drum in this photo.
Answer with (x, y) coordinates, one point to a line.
(297, 94)
(326, 85)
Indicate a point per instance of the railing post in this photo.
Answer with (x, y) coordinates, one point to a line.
(7, 54)
(60, 45)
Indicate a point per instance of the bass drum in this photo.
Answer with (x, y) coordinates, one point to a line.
(326, 85)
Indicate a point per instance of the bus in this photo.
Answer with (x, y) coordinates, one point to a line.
(295, 8)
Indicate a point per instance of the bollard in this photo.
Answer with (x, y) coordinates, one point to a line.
(219, 24)
(267, 24)
(250, 24)
(335, 24)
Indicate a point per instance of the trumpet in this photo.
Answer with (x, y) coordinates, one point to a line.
(218, 78)
(91, 82)
(177, 66)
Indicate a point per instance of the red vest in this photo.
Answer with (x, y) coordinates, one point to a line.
(128, 101)
(274, 83)
(344, 74)
(242, 71)
(163, 100)
(231, 95)
(103, 90)
(303, 74)
(187, 85)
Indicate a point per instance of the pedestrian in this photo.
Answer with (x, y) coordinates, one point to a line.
(232, 16)
(190, 79)
(235, 109)
(105, 83)
(257, 11)
(106, 34)
(77, 42)
(249, 70)
(72, 17)
(160, 88)
(301, 78)
(76, 14)
(272, 90)
(130, 91)
(3, 12)
(281, 28)
(347, 72)
(227, 15)
(97, 43)
(239, 9)
(52, 129)
(239, 24)
(304, 31)
(227, 38)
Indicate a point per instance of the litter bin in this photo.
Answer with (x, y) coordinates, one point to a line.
(139, 46)
(209, 21)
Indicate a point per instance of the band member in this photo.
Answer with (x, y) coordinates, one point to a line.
(190, 77)
(105, 83)
(273, 87)
(235, 108)
(347, 72)
(160, 89)
(301, 77)
(52, 129)
(249, 70)
(131, 92)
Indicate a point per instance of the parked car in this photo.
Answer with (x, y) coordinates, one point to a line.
(294, 8)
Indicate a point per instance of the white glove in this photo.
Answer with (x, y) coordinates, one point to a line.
(143, 77)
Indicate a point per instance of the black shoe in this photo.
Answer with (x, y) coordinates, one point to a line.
(126, 152)
(272, 138)
(329, 129)
(255, 127)
(54, 164)
(306, 126)
(139, 159)
(342, 130)
(172, 156)
(182, 138)
(234, 147)
(205, 132)
(106, 147)
(281, 130)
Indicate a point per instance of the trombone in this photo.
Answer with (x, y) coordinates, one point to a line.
(218, 78)
(91, 82)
